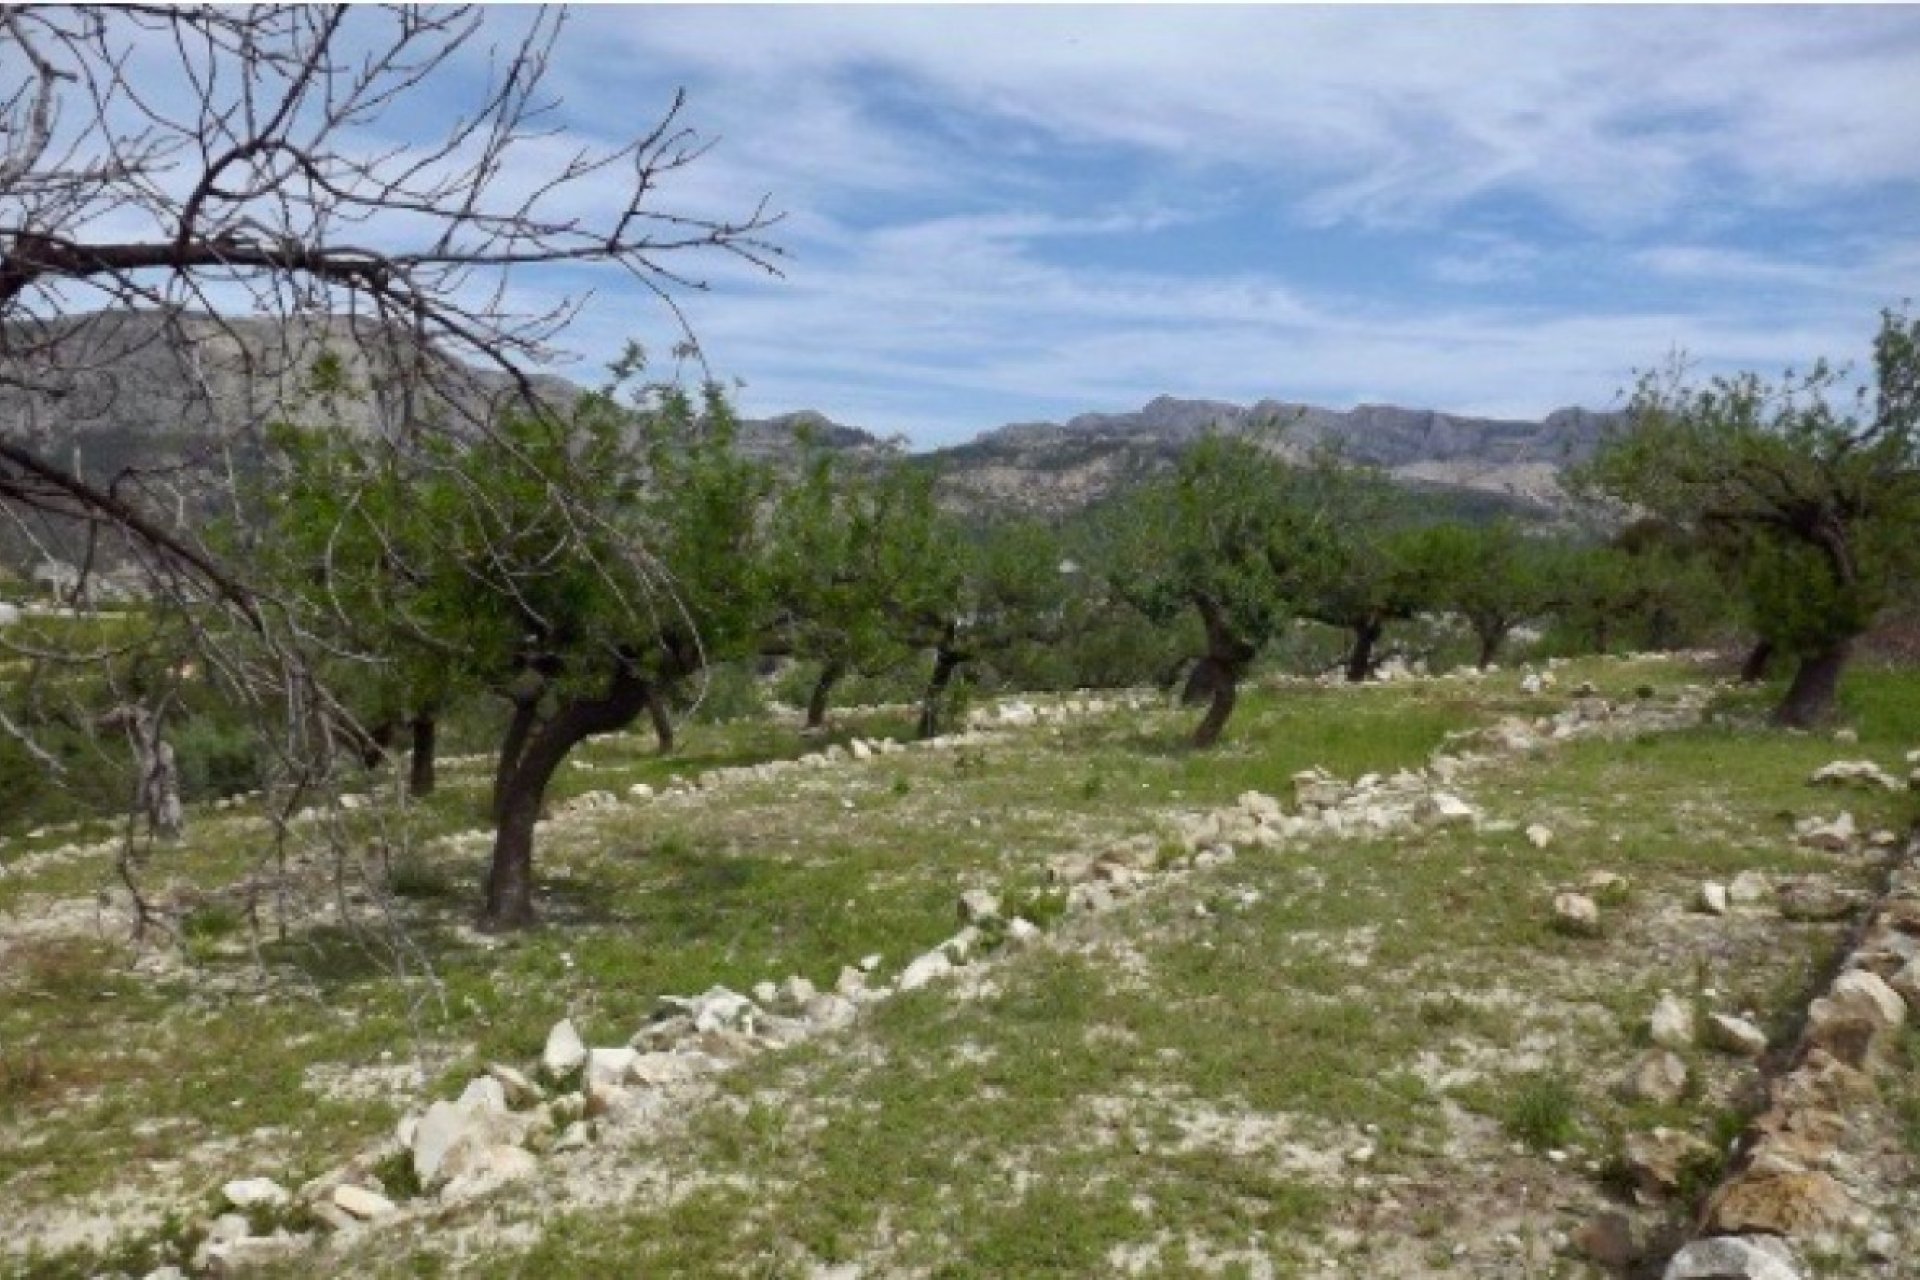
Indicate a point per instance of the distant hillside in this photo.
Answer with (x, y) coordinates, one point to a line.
(182, 415)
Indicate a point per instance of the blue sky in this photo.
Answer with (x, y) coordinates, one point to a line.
(1002, 214)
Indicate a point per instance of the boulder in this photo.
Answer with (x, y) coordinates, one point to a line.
(484, 1092)
(477, 1169)
(610, 1066)
(1713, 898)
(1576, 913)
(1671, 1023)
(449, 1132)
(1262, 807)
(360, 1202)
(1812, 900)
(1607, 1240)
(1735, 1035)
(1659, 1076)
(565, 1053)
(1733, 1258)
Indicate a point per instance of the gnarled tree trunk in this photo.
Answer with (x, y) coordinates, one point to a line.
(945, 662)
(661, 716)
(1360, 658)
(1228, 657)
(421, 773)
(1816, 683)
(522, 785)
(830, 675)
(1758, 662)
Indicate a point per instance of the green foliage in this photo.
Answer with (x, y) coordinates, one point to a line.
(1814, 505)
(1541, 1110)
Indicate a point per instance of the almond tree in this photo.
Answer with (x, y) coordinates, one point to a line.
(1823, 501)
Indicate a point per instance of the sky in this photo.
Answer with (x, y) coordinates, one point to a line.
(998, 214)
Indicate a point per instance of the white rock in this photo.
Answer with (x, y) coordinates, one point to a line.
(1260, 805)
(1854, 773)
(446, 1131)
(1659, 1076)
(765, 993)
(476, 1169)
(520, 1091)
(868, 963)
(1576, 913)
(1021, 931)
(1444, 809)
(610, 1066)
(797, 992)
(1671, 1024)
(1735, 1035)
(566, 1052)
(249, 1193)
(1750, 888)
(484, 1092)
(1734, 1258)
(851, 982)
(1539, 835)
(360, 1202)
(977, 905)
(1713, 898)
(1834, 835)
(860, 750)
(640, 791)
(1867, 993)
(926, 968)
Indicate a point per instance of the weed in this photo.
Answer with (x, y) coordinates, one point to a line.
(1542, 1111)
(414, 876)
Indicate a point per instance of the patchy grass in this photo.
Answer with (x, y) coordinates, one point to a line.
(1321, 1056)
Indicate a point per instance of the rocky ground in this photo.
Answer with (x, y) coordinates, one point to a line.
(1501, 977)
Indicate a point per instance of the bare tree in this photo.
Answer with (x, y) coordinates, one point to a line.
(171, 176)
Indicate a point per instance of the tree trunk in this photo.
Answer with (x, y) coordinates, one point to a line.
(1490, 642)
(526, 713)
(1816, 683)
(1223, 683)
(823, 690)
(509, 901)
(1602, 634)
(375, 743)
(1360, 658)
(662, 717)
(421, 776)
(945, 663)
(1759, 661)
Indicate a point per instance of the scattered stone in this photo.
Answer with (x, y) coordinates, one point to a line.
(360, 1202)
(1749, 888)
(1713, 898)
(868, 963)
(1812, 900)
(1539, 835)
(1607, 1240)
(797, 992)
(609, 1066)
(926, 968)
(476, 1169)
(448, 1133)
(1735, 1035)
(519, 1090)
(1671, 1024)
(851, 982)
(1576, 913)
(484, 1092)
(251, 1193)
(1854, 773)
(1444, 809)
(978, 905)
(1734, 1258)
(1658, 1160)
(1660, 1076)
(1784, 1202)
(1606, 884)
(1833, 835)
(565, 1053)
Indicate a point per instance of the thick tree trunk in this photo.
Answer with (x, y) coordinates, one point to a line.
(1816, 683)
(526, 714)
(822, 691)
(375, 743)
(1602, 634)
(421, 775)
(1490, 642)
(945, 663)
(1223, 683)
(662, 718)
(1758, 662)
(1227, 659)
(509, 900)
(1360, 658)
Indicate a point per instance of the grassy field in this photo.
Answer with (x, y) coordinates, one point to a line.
(1365, 1057)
